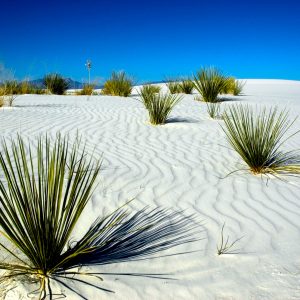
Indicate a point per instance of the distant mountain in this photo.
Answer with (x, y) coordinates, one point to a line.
(72, 84)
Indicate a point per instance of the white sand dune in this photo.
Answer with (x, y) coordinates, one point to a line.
(181, 165)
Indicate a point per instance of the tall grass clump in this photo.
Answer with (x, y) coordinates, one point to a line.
(88, 89)
(43, 193)
(258, 137)
(159, 106)
(234, 87)
(186, 86)
(210, 82)
(26, 87)
(174, 86)
(238, 87)
(149, 89)
(56, 84)
(118, 85)
(9, 92)
(228, 88)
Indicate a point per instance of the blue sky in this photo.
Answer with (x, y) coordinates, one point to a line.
(151, 40)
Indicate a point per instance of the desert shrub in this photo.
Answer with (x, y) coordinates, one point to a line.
(186, 86)
(210, 82)
(258, 136)
(149, 89)
(233, 86)
(88, 89)
(238, 87)
(43, 193)
(118, 85)
(25, 87)
(159, 106)
(9, 92)
(213, 109)
(56, 84)
(228, 88)
(173, 86)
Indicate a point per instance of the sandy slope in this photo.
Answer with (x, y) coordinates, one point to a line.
(181, 165)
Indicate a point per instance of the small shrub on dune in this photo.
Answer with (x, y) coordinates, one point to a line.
(88, 89)
(233, 86)
(186, 86)
(56, 84)
(118, 85)
(9, 92)
(149, 89)
(238, 87)
(210, 82)
(174, 87)
(25, 87)
(228, 88)
(11, 87)
(258, 136)
(43, 193)
(159, 106)
(213, 109)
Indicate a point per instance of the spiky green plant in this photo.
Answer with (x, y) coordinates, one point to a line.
(238, 87)
(43, 193)
(213, 109)
(233, 86)
(174, 86)
(149, 89)
(186, 86)
(9, 92)
(258, 136)
(88, 89)
(210, 82)
(118, 85)
(228, 88)
(56, 84)
(159, 106)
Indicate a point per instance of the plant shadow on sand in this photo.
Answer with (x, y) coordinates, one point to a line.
(43, 106)
(181, 120)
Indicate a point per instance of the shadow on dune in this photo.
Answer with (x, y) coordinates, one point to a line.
(181, 120)
(43, 105)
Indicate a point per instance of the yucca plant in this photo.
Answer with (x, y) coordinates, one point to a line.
(258, 136)
(159, 106)
(118, 85)
(149, 89)
(228, 88)
(210, 82)
(233, 86)
(56, 84)
(88, 89)
(43, 193)
(9, 92)
(213, 109)
(174, 86)
(186, 86)
(238, 87)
